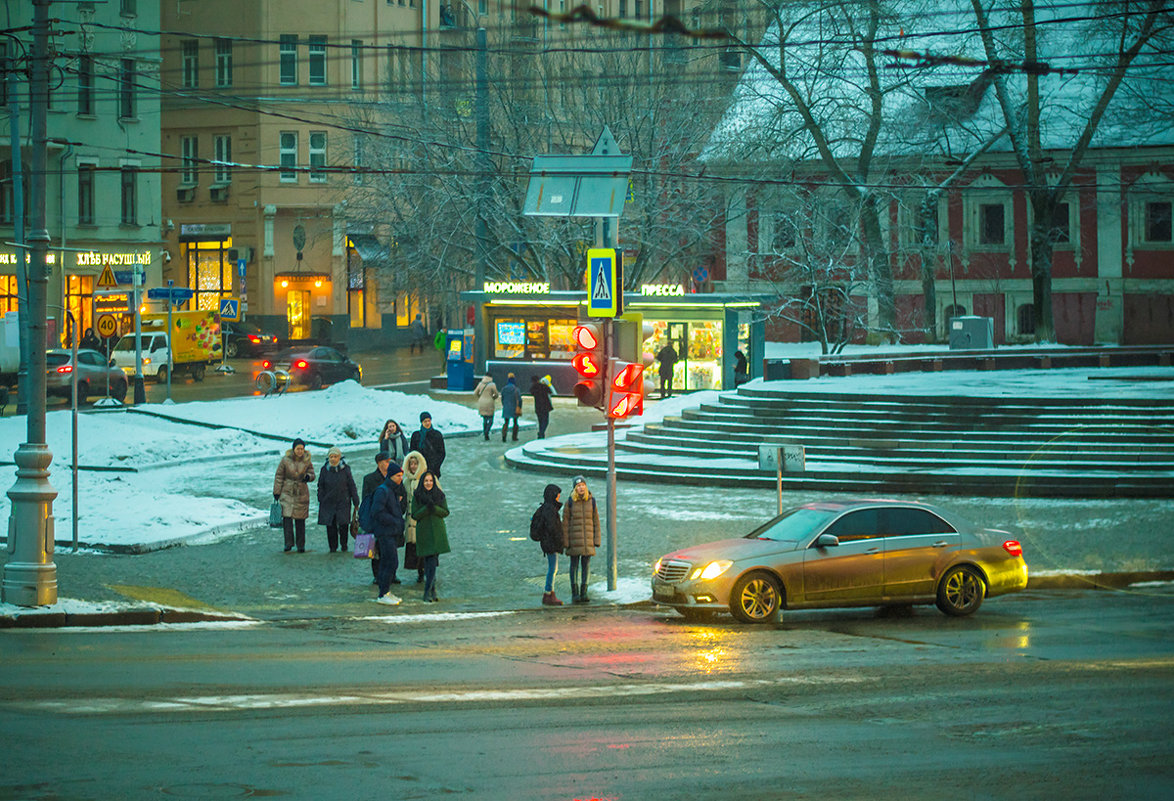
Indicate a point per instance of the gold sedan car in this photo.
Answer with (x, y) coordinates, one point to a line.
(855, 553)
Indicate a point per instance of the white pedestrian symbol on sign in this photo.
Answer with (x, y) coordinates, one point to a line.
(602, 281)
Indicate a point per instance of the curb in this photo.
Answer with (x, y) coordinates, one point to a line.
(36, 619)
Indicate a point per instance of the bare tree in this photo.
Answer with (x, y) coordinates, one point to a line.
(1052, 118)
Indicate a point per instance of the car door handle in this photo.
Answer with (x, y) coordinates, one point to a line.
(941, 543)
(873, 550)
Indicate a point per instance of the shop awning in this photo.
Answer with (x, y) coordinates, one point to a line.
(370, 249)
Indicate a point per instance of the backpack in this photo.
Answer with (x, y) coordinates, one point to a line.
(536, 525)
(366, 523)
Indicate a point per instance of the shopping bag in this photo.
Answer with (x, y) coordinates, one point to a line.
(364, 546)
(275, 515)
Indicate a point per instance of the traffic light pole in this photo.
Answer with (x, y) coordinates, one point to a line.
(612, 545)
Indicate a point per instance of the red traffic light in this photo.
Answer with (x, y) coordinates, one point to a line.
(588, 362)
(587, 336)
(587, 365)
(627, 390)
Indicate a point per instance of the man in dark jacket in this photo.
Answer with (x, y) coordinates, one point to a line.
(429, 442)
(667, 356)
(542, 404)
(511, 406)
(371, 482)
(547, 527)
(389, 530)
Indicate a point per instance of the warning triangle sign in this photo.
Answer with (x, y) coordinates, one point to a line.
(106, 279)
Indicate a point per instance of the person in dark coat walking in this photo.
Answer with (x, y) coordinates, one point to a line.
(389, 531)
(430, 443)
(741, 368)
(371, 482)
(337, 497)
(668, 359)
(549, 530)
(511, 406)
(393, 440)
(542, 403)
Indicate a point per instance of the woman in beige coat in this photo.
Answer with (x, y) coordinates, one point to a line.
(415, 466)
(487, 395)
(580, 536)
(291, 489)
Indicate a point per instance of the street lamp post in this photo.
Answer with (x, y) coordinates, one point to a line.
(30, 576)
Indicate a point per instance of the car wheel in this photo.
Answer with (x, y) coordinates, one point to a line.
(315, 381)
(161, 376)
(356, 377)
(118, 391)
(198, 371)
(231, 349)
(756, 598)
(83, 391)
(961, 591)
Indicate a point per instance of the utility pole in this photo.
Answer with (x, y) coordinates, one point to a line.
(481, 233)
(22, 296)
(30, 576)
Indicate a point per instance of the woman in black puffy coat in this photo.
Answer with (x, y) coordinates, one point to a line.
(337, 496)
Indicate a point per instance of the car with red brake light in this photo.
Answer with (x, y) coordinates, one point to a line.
(843, 554)
(314, 367)
(95, 373)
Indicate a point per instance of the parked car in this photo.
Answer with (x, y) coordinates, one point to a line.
(93, 370)
(245, 339)
(856, 553)
(315, 367)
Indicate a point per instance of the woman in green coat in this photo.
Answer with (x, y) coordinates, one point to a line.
(429, 508)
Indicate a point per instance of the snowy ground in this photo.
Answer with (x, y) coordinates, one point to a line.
(163, 480)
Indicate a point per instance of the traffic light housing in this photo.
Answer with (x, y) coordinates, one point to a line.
(589, 362)
(626, 390)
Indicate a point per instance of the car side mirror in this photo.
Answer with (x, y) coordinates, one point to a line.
(827, 541)
(110, 363)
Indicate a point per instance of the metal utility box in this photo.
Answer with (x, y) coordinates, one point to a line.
(972, 333)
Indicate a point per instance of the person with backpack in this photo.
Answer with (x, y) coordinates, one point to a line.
(429, 442)
(386, 517)
(547, 529)
(580, 536)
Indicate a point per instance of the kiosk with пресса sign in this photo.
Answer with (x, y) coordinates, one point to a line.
(527, 328)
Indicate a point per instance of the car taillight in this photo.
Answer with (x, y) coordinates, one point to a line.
(65, 368)
(256, 340)
(265, 365)
(1013, 547)
(301, 364)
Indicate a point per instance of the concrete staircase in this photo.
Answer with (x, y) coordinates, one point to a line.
(1063, 447)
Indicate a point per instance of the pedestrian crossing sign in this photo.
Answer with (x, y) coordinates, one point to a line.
(605, 282)
(230, 309)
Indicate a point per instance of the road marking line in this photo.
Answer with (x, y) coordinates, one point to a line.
(236, 703)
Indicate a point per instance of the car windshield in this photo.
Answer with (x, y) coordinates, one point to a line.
(126, 343)
(793, 525)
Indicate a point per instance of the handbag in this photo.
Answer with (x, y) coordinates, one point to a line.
(355, 523)
(411, 561)
(275, 515)
(364, 546)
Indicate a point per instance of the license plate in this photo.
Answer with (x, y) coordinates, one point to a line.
(663, 592)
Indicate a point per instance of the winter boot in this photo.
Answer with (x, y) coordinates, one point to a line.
(549, 599)
(583, 599)
(574, 594)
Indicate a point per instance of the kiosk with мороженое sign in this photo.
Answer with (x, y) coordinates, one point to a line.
(527, 328)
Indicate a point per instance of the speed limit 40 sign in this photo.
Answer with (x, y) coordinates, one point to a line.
(107, 325)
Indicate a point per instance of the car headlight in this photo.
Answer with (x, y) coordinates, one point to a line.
(712, 570)
(656, 567)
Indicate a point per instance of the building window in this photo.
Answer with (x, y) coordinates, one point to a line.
(1158, 221)
(191, 63)
(317, 156)
(289, 155)
(356, 63)
(991, 224)
(222, 148)
(85, 194)
(356, 289)
(79, 299)
(8, 196)
(8, 294)
(128, 8)
(189, 153)
(317, 61)
(85, 85)
(918, 227)
(1060, 231)
(126, 89)
(783, 236)
(288, 53)
(209, 272)
(223, 62)
(129, 196)
(1025, 320)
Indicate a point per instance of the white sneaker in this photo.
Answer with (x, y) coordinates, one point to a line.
(389, 599)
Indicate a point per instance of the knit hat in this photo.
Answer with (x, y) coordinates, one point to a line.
(334, 450)
(298, 441)
(382, 456)
(577, 480)
(425, 416)
(394, 469)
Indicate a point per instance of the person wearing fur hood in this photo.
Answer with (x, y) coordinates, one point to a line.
(294, 472)
(337, 496)
(415, 466)
(580, 536)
